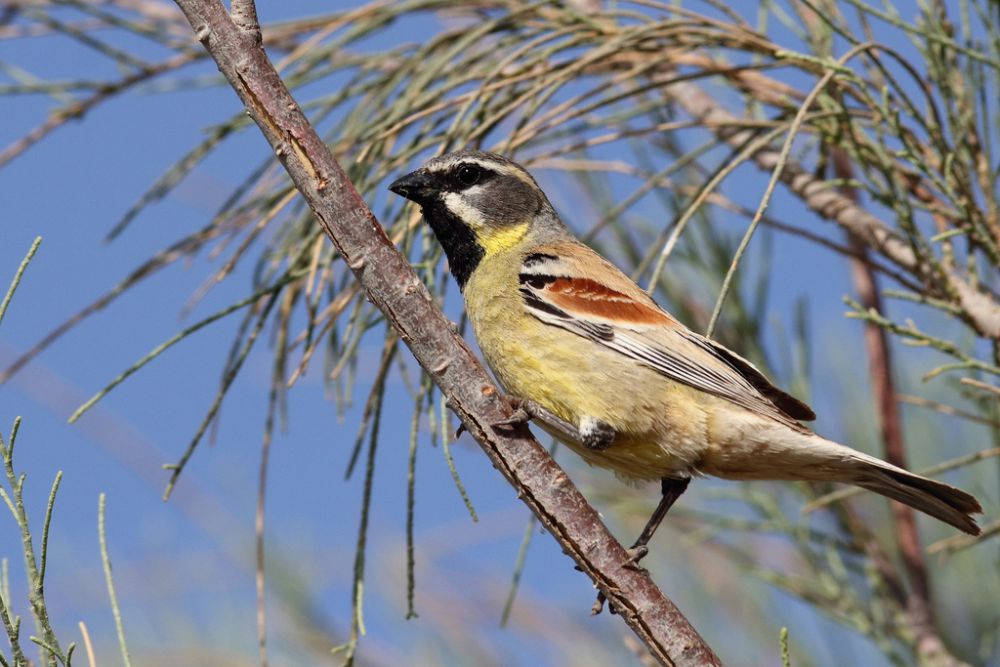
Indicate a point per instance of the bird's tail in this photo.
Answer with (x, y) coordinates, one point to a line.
(780, 453)
(941, 501)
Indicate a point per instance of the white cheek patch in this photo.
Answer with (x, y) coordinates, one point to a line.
(457, 203)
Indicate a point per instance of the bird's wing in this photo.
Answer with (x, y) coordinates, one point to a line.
(572, 287)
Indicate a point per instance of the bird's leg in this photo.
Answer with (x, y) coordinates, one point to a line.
(524, 410)
(592, 433)
(670, 490)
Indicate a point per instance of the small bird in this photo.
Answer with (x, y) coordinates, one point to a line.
(597, 363)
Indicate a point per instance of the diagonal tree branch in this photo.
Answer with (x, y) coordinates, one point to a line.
(391, 284)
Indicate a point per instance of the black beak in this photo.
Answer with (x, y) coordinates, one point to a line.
(416, 186)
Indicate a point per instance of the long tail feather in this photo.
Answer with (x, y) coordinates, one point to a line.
(939, 500)
(777, 452)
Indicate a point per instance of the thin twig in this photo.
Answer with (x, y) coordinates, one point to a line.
(779, 166)
(36, 585)
(946, 409)
(106, 563)
(87, 645)
(176, 338)
(880, 369)
(76, 110)
(956, 543)
(17, 276)
(982, 310)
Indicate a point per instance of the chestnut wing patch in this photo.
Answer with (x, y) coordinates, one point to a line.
(614, 319)
(586, 298)
(536, 290)
(590, 298)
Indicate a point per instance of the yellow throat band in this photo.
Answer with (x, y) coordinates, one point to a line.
(498, 239)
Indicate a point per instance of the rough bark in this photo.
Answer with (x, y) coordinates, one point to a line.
(392, 285)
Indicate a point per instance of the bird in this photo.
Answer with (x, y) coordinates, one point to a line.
(590, 357)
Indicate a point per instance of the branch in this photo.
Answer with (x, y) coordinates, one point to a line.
(392, 285)
(78, 109)
(982, 312)
(928, 643)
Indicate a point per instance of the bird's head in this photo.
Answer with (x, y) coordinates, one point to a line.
(478, 204)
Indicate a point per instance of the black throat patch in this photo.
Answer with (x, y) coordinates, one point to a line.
(458, 241)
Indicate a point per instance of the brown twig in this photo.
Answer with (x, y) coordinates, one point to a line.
(917, 598)
(955, 543)
(60, 117)
(391, 284)
(945, 409)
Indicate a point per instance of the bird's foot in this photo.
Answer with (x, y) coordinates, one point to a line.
(635, 554)
(520, 414)
(599, 605)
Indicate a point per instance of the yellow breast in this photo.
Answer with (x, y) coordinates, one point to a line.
(661, 429)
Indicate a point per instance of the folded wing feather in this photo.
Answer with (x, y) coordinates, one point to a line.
(616, 313)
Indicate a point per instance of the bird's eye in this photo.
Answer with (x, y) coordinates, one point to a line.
(469, 174)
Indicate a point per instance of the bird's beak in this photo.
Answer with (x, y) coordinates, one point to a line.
(416, 186)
